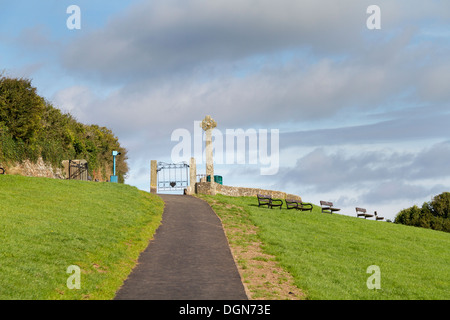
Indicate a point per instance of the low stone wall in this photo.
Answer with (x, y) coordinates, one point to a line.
(215, 188)
(35, 169)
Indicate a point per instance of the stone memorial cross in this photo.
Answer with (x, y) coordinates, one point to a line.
(208, 124)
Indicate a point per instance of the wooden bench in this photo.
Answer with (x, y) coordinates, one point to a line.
(268, 201)
(378, 217)
(299, 205)
(361, 212)
(327, 207)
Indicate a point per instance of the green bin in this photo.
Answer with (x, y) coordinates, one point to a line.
(217, 179)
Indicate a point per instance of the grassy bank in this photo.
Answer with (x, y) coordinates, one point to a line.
(48, 225)
(328, 255)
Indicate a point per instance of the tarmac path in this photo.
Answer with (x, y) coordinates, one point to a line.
(188, 259)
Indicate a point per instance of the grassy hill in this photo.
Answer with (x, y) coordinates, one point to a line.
(328, 255)
(48, 225)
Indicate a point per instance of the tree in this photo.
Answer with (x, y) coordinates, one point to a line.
(30, 128)
(21, 108)
(440, 205)
(432, 215)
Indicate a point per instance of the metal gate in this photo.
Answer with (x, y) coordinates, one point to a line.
(172, 176)
(78, 170)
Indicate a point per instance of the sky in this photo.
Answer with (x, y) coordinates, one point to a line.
(362, 114)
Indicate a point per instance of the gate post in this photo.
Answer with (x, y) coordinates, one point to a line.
(192, 176)
(153, 177)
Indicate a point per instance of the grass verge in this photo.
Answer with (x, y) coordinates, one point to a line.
(328, 255)
(263, 277)
(48, 225)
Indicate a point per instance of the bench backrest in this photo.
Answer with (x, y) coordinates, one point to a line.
(326, 203)
(360, 210)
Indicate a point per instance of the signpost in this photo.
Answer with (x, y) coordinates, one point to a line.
(114, 177)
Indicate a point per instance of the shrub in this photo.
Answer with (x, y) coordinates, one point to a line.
(30, 127)
(433, 215)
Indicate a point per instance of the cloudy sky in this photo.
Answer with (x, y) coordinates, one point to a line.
(362, 114)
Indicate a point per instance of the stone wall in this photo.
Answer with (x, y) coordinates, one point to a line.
(215, 188)
(42, 169)
(37, 169)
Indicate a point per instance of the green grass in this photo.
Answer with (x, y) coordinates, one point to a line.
(48, 225)
(328, 255)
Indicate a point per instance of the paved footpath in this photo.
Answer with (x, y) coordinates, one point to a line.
(188, 259)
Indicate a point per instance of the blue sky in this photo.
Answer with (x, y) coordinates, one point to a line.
(363, 114)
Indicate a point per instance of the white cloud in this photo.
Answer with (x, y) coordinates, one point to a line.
(77, 100)
(435, 82)
(157, 38)
(374, 172)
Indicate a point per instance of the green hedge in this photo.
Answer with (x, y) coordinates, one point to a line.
(30, 127)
